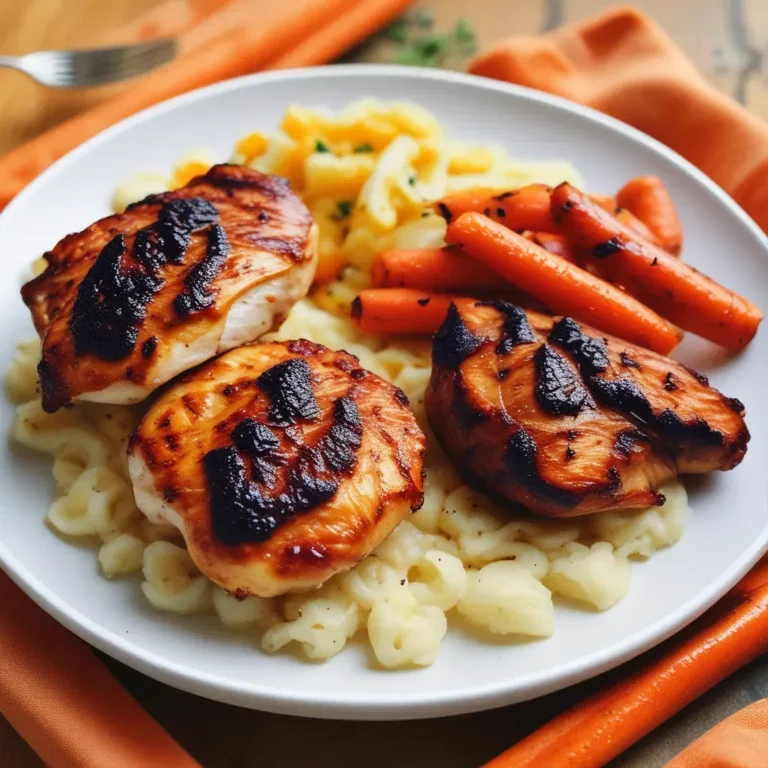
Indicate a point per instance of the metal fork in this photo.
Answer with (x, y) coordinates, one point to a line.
(95, 66)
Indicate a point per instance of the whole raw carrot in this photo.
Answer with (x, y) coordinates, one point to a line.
(648, 199)
(396, 311)
(565, 288)
(518, 209)
(329, 42)
(597, 730)
(431, 269)
(676, 290)
(754, 579)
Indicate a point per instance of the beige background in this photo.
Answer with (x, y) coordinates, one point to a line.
(728, 40)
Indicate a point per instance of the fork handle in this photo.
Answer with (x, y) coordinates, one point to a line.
(10, 62)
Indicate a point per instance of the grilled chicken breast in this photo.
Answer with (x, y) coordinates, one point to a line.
(281, 464)
(138, 297)
(541, 411)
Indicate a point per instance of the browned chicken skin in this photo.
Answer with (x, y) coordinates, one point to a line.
(566, 421)
(280, 463)
(138, 297)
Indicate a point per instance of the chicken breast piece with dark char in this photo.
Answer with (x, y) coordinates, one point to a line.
(138, 297)
(281, 464)
(566, 421)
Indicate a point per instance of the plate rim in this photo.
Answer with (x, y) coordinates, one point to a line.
(361, 706)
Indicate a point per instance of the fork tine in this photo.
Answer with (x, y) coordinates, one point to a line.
(158, 48)
(137, 62)
(101, 65)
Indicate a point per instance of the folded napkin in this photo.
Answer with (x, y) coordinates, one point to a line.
(218, 39)
(740, 741)
(625, 65)
(65, 703)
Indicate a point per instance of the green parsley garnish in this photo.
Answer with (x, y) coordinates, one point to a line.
(411, 180)
(397, 31)
(417, 45)
(343, 209)
(321, 146)
(363, 148)
(463, 32)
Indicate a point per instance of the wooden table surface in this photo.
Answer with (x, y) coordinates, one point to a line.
(728, 40)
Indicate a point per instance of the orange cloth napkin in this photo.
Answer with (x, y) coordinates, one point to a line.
(218, 39)
(53, 689)
(740, 741)
(65, 703)
(624, 64)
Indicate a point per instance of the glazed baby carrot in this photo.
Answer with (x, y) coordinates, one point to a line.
(556, 244)
(432, 269)
(648, 199)
(626, 217)
(606, 202)
(526, 208)
(518, 209)
(597, 730)
(395, 311)
(676, 290)
(562, 286)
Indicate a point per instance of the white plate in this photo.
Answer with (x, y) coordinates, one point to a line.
(729, 526)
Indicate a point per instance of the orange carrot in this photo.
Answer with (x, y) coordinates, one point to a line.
(648, 199)
(556, 244)
(562, 286)
(606, 202)
(431, 269)
(676, 290)
(329, 42)
(395, 311)
(447, 269)
(518, 209)
(597, 730)
(755, 578)
(626, 217)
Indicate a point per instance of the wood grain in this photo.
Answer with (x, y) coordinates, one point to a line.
(728, 40)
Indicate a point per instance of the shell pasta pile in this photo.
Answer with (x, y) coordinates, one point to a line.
(367, 174)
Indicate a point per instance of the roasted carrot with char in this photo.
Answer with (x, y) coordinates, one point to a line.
(448, 269)
(563, 287)
(596, 731)
(676, 290)
(626, 217)
(518, 209)
(397, 311)
(556, 244)
(432, 269)
(606, 202)
(526, 208)
(649, 200)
